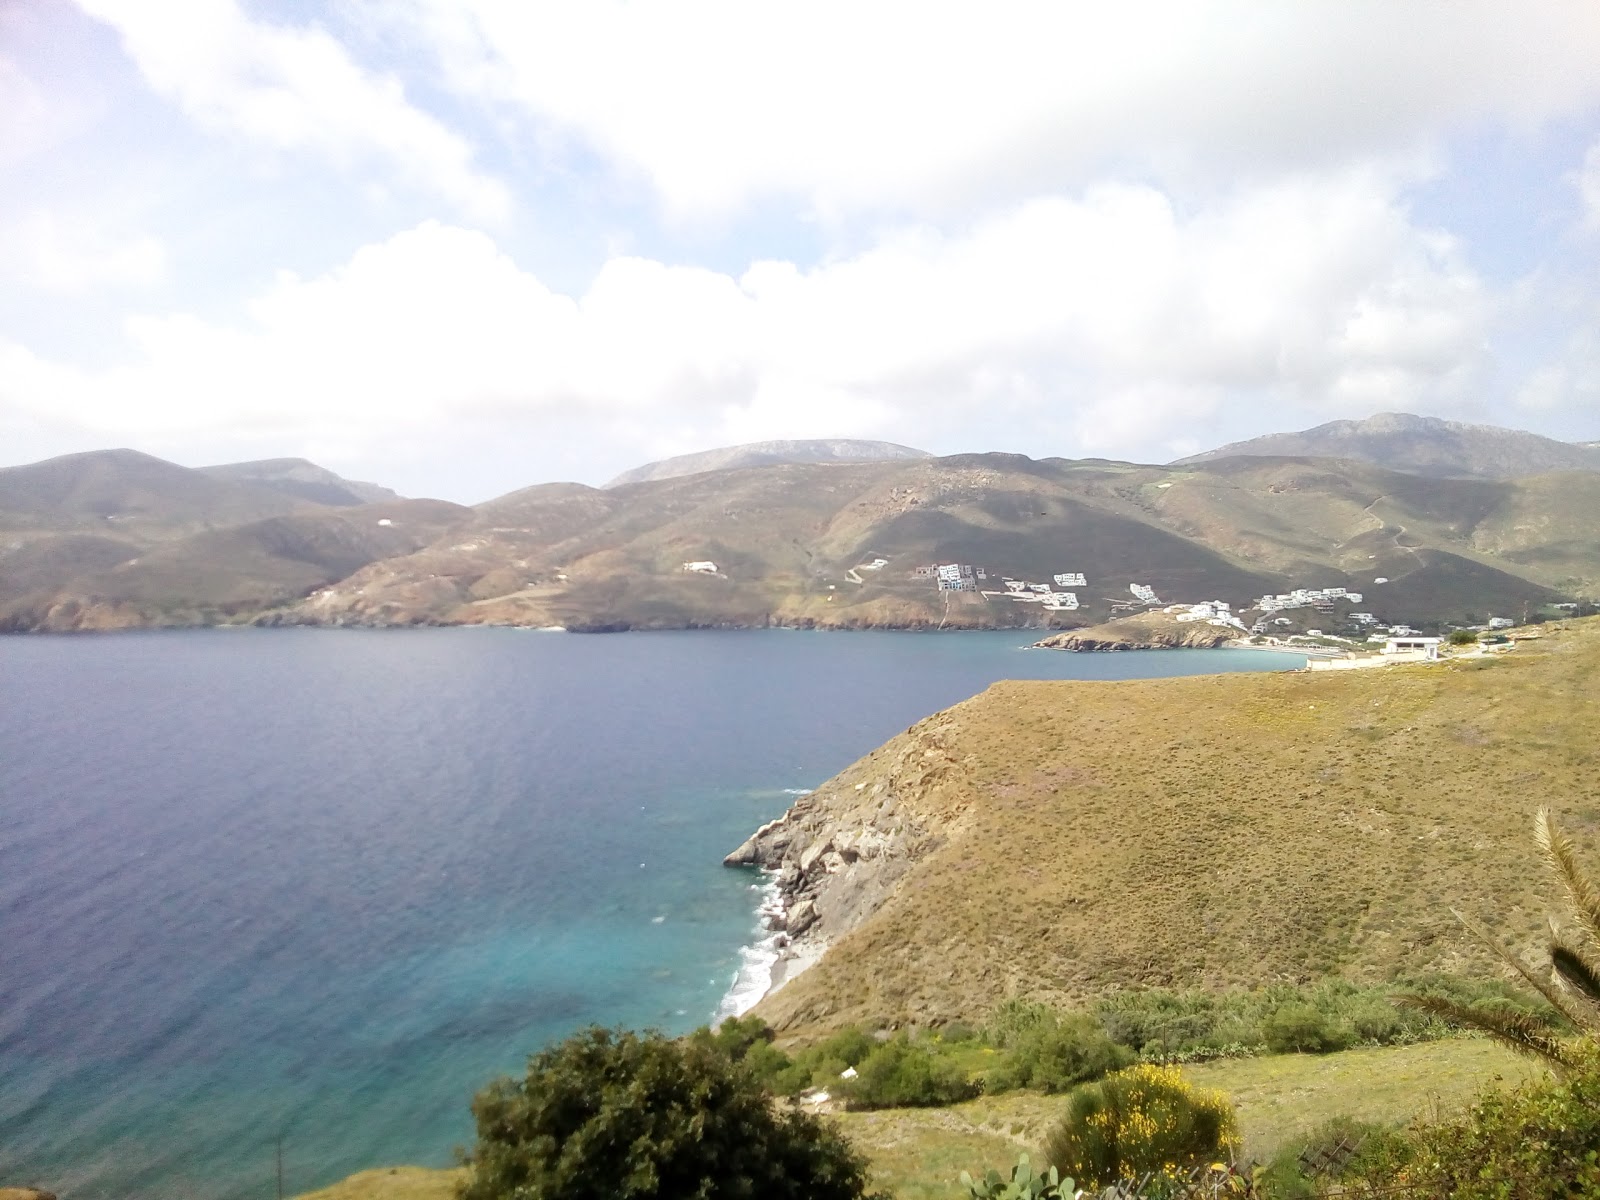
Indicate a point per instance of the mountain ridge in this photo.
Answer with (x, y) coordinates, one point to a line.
(759, 454)
(821, 545)
(1429, 446)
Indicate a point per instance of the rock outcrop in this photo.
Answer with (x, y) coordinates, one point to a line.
(1146, 631)
(840, 852)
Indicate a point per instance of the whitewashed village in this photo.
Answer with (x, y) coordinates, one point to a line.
(1274, 621)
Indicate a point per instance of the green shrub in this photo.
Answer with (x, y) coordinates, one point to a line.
(1539, 1142)
(905, 1074)
(1017, 1019)
(1462, 637)
(1301, 1029)
(849, 1046)
(736, 1036)
(624, 1116)
(1054, 1056)
(1144, 1119)
(1342, 1151)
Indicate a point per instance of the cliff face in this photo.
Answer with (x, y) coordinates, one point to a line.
(841, 852)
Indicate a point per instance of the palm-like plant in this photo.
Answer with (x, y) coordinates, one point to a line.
(1571, 982)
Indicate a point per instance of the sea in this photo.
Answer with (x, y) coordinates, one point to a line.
(303, 892)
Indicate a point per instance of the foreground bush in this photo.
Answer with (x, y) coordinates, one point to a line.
(1144, 1119)
(623, 1116)
(1539, 1142)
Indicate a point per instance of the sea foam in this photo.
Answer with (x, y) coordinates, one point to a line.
(757, 959)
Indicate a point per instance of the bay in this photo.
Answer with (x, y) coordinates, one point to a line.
(322, 885)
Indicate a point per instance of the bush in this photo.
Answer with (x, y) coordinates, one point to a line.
(903, 1074)
(1056, 1055)
(1342, 1150)
(1301, 1029)
(1539, 1142)
(1462, 637)
(624, 1116)
(1144, 1119)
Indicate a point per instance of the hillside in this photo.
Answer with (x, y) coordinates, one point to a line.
(841, 545)
(303, 480)
(125, 493)
(117, 539)
(1061, 840)
(830, 545)
(765, 454)
(1422, 446)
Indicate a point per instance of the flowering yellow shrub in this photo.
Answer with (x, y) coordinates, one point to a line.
(1146, 1119)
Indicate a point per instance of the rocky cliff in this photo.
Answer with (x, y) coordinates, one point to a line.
(840, 853)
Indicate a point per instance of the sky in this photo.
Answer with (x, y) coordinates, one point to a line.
(463, 246)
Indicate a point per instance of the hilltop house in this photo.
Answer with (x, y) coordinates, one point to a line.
(701, 568)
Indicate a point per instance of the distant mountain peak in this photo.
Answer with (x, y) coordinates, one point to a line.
(762, 454)
(1421, 445)
(302, 479)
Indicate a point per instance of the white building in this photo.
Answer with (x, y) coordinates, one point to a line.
(701, 568)
(1422, 648)
(1501, 622)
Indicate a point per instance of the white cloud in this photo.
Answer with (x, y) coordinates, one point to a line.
(1101, 321)
(72, 256)
(911, 106)
(294, 89)
(25, 117)
(1589, 187)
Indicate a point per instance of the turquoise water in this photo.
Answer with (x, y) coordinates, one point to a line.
(324, 884)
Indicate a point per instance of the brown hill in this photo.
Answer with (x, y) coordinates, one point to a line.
(211, 577)
(1423, 446)
(766, 454)
(302, 480)
(798, 544)
(840, 545)
(128, 493)
(1059, 840)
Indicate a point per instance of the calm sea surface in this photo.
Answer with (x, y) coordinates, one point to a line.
(325, 884)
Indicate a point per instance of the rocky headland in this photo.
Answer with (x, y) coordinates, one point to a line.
(840, 852)
(1143, 631)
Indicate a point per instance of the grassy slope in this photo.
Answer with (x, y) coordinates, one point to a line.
(1216, 831)
(919, 1154)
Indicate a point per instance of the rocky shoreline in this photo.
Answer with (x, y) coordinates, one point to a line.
(841, 851)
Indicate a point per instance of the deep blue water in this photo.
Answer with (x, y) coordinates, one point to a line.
(327, 883)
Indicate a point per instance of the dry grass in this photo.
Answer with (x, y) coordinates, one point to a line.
(392, 1183)
(1216, 831)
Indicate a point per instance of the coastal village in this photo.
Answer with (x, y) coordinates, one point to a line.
(1320, 622)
